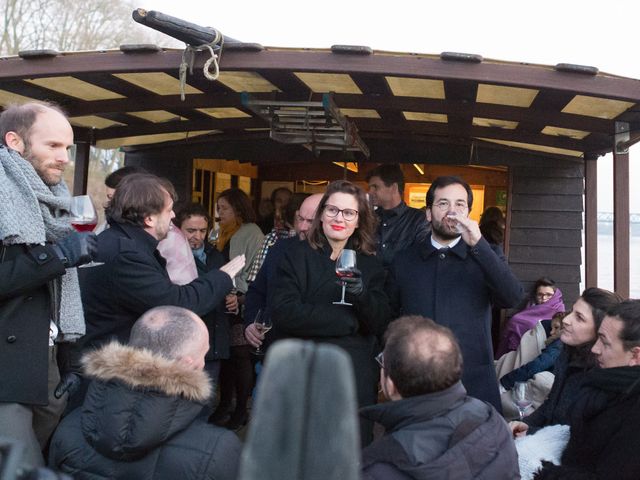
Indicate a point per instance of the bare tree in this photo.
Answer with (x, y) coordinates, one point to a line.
(68, 25)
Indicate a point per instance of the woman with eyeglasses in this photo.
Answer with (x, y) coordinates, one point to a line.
(545, 300)
(307, 287)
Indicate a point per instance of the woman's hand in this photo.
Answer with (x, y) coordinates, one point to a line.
(518, 429)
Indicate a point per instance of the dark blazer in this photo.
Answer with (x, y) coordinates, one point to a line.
(217, 321)
(456, 288)
(132, 280)
(303, 308)
(25, 314)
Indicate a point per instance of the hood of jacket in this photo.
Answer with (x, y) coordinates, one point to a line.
(138, 400)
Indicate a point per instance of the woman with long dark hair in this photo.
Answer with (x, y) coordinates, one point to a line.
(579, 334)
(308, 287)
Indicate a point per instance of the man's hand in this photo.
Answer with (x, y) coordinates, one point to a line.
(253, 335)
(77, 248)
(468, 228)
(231, 303)
(69, 383)
(518, 429)
(234, 266)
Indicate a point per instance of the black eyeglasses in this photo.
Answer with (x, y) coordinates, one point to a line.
(349, 214)
(380, 359)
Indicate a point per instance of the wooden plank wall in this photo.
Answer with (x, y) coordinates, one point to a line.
(546, 224)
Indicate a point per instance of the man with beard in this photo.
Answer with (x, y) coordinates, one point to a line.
(40, 307)
(454, 277)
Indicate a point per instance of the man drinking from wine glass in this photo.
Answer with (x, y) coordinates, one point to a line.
(40, 307)
(307, 287)
(454, 277)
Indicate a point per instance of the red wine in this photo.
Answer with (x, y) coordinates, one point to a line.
(84, 227)
(345, 273)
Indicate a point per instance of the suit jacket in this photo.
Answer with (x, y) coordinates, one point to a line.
(456, 287)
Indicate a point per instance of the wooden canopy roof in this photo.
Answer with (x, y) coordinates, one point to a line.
(402, 104)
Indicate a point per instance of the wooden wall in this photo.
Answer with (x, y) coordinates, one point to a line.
(545, 237)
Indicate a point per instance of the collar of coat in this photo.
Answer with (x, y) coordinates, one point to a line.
(460, 249)
(141, 369)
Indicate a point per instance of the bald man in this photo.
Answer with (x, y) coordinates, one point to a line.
(141, 416)
(40, 306)
(434, 429)
(258, 296)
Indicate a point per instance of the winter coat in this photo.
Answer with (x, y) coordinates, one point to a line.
(303, 307)
(25, 315)
(217, 321)
(570, 370)
(398, 229)
(605, 421)
(456, 288)
(132, 280)
(442, 435)
(141, 419)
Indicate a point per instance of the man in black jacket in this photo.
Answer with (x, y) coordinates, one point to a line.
(141, 417)
(133, 277)
(400, 226)
(433, 428)
(40, 307)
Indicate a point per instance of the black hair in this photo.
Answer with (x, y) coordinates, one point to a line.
(389, 173)
(445, 181)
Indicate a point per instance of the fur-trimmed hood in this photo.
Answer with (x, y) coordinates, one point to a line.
(143, 369)
(138, 400)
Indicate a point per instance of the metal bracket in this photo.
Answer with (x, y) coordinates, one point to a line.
(622, 137)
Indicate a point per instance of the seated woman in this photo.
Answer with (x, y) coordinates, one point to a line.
(307, 287)
(579, 330)
(545, 301)
(542, 362)
(604, 439)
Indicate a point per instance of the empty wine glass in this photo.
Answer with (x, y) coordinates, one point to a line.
(345, 267)
(233, 291)
(263, 325)
(84, 216)
(521, 397)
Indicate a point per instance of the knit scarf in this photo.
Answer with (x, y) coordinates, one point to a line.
(35, 213)
(226, 232)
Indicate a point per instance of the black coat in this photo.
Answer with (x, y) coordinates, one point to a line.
(442, 435)
(25, 315)
(570, 370)
(217, 321)
(605, 420)
(141, 419)
(456, 288)
(303, 308)
(133, 280)
(398, 229)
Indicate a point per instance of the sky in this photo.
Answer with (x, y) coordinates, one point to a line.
(595, 33)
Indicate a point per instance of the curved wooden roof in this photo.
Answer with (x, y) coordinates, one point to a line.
(401, 103)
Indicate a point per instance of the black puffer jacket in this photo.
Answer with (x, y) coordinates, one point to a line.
(444, 435)
(140, 419)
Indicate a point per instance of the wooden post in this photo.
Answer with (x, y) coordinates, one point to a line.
(81, 173)
(591, 221)
(621, 223)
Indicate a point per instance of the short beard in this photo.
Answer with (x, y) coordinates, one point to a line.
(442, 233)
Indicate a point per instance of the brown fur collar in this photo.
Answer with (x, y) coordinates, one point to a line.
(139, 368)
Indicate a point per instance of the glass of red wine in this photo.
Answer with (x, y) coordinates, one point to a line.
(345, 267)
(84, 216)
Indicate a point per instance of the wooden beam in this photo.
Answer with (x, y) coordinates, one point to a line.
(81, 172)
(591, 221)
(621, 223)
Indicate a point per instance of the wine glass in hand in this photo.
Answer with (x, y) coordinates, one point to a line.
(84, 216)
(521, 397)
(345, 267)
(263, 325)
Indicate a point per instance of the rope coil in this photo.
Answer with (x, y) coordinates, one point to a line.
(188, 58)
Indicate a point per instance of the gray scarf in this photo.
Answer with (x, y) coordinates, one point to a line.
(34, 213)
